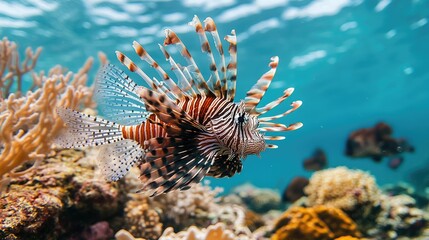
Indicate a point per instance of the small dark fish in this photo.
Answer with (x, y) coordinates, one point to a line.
(295, 189)
(317, 162)
(375, 143)
(395, 162)
(177, 132)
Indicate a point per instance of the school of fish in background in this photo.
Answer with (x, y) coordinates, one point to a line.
(52, 189)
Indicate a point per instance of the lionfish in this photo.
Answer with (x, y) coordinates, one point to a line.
(177, 132)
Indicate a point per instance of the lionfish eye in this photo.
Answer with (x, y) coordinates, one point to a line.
(242, 118)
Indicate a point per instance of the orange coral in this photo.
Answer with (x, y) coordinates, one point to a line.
(11, 69)
(347, 238)
(314, 223)
(29, 123)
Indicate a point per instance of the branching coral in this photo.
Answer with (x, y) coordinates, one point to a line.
(352, 191)
(314, 223)
(29, 123)
(12, 70)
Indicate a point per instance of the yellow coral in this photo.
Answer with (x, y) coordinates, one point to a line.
(29, 123)
(314, 223)
(343, 188)
(347, 238)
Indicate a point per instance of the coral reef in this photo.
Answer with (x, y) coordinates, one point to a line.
(347, 238)
(60, 197)
(352, 191)
(314, 223)
(253, 220)
(29, 122)
(140, 219)
(213, 232)
(398, 217)
(195, 206)
(404, 188)
(97, 231)
(12, 70)
(257, 199)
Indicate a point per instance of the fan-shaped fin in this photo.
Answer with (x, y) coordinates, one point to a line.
(168, 111)
(117, 158)
(173, 163)
(116, 96)
(225, 166)
(84, 130)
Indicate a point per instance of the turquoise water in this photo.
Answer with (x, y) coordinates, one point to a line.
(352, 63)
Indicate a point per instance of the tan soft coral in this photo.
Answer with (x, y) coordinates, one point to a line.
(12, 70)
(29, 123)
(352, 191)
(314, 223)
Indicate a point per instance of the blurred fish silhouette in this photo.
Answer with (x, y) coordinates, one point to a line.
(177, 132)
(295, 189)
(395, 162)
(316, 162)
(375, 143)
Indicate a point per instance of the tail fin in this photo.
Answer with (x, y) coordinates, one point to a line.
(83, 130)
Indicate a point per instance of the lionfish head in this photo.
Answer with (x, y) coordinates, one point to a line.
(239, 135)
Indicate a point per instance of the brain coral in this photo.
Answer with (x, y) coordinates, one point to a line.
(349, 190)
(314, 223)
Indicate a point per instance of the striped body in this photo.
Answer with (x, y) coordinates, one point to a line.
(216, 114)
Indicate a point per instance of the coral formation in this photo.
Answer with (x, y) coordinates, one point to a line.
(29, 122)
(140, 219)
(347, 238)
(314, 223)
(352, 191)
(97, 231)
(60, 197)
(257, 199)
(253, 220)
(398, 217)
(186, 208)
(213, 232)
(12, 70)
